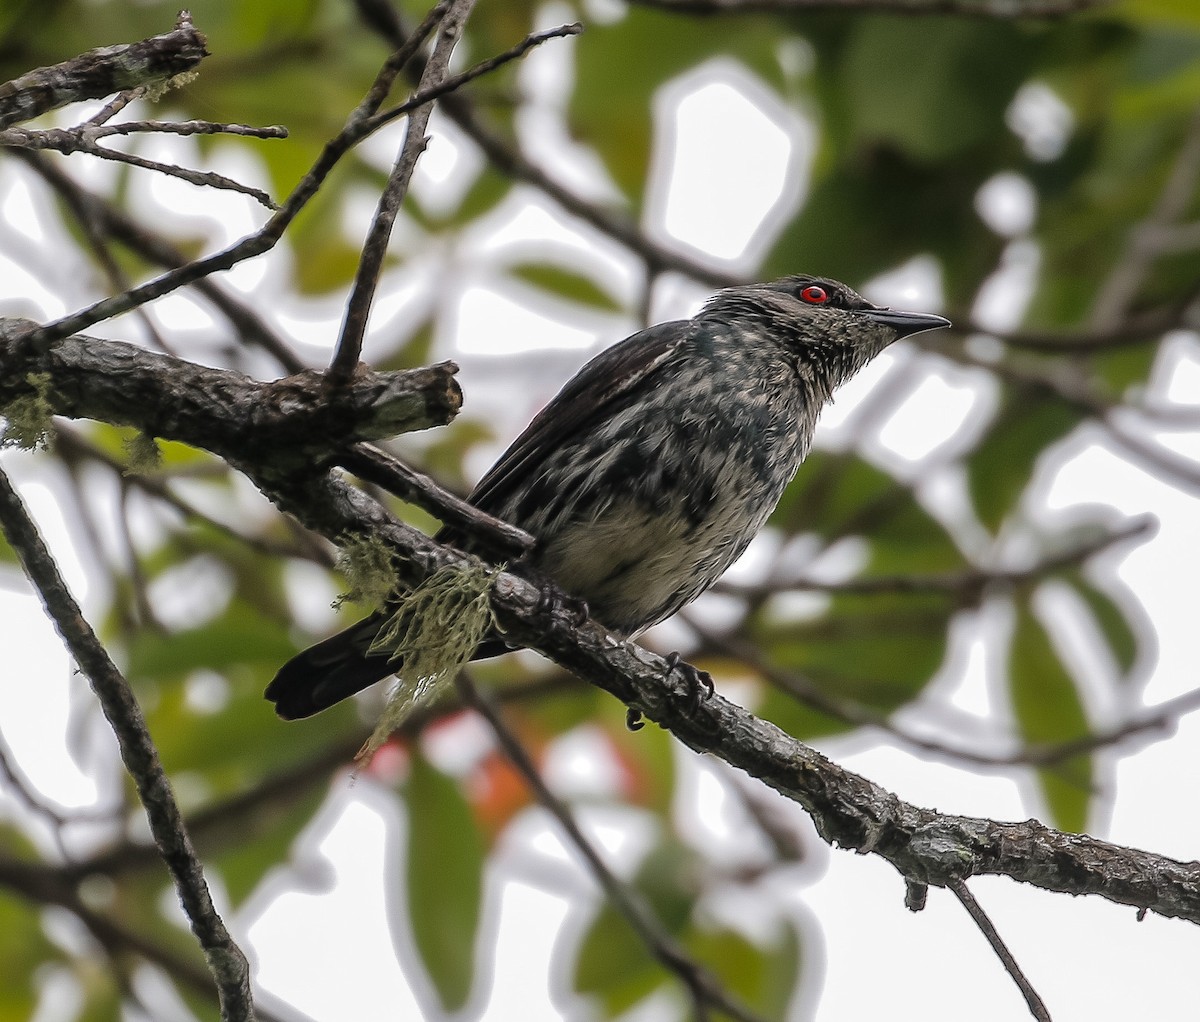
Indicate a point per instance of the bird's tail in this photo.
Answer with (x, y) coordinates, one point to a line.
(332, 670)
(338, 667)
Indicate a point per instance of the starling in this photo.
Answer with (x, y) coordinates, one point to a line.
(653, 468)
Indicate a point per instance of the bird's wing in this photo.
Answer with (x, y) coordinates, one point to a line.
(590, 395)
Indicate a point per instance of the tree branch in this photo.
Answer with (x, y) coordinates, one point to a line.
(1036, 1006)
(848, 810)
(83, 139)
(435, 82)
(225, 959)
(853, 812)
(374, 465)
(702, 986)
(225, 412)
(101, 72)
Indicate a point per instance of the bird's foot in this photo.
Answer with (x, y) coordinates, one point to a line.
(699, 687)
(551, 599)
(699, 683)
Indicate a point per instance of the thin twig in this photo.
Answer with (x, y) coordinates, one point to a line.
(435, 82)
(67, 141)
(370, 265)
(114, 222)
(507, 157)
(374, 465)
(701, 985)
(1036, 1006)
(225, 959)
(455, 82)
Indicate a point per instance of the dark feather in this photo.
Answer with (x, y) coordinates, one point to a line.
(588, 397)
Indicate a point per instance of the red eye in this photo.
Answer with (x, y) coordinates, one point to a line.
(814, 295)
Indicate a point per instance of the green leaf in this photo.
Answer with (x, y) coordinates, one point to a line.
(444, 881)
(24, 951)
(999, 470)
(565, 283)
(877, 651)
(835, 495)
(1048, 710)
(240, 635)
(485, 193)
(1125, 367)
(613, 963)
(764, 978)
(620, 66)
(1112, 614)
(950, 99)
(330, 266)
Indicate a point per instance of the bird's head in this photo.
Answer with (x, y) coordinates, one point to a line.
(829, 328)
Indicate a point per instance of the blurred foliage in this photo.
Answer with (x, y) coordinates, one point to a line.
(913, 116)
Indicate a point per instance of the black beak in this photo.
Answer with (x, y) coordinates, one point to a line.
(905, 323)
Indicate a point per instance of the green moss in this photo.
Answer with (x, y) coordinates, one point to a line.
(430, 637)
(27, 419)
(370, 569)
(144, 456)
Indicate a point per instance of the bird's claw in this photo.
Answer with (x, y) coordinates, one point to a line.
(633, 719)
(551, 599)
(699, 683)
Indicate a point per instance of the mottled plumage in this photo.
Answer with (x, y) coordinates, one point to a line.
(652, 469)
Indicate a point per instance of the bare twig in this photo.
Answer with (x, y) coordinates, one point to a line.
(377, 466)
(370, 265)
(435, 82)
(506, 157)
(454, 82)
(80, 140)
(225, 959)
(968, 583)
(701, 985)
(90, 208)
(1036, 1007)
(1160, 719)
(102, 72)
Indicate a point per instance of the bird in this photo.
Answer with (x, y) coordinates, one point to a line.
(654, 467)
